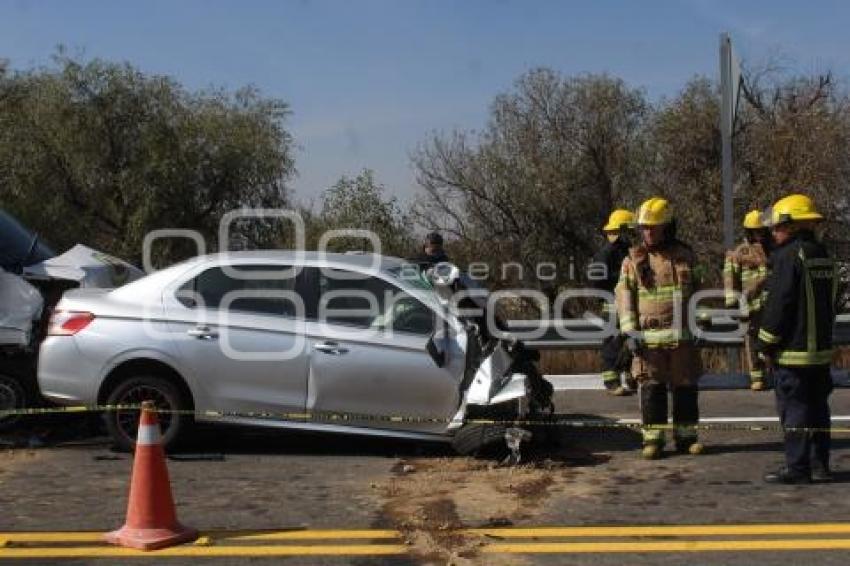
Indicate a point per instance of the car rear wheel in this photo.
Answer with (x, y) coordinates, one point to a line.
(123, 424)
(12, 396)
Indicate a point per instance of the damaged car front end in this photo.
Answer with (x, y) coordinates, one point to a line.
(506, 401)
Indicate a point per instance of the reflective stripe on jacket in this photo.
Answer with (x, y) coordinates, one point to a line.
(798, 317)
(653, 293)
(745, 271)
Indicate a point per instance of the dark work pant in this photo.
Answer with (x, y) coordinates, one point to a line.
(615, 358)
(653, 408)
(802, 400)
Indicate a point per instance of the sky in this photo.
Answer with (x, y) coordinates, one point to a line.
(369, 80)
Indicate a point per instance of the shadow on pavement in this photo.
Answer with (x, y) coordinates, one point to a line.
(766, 446)
(249, 440)
(841, 477)
(597, 432)
(571, 444)
(44, 431)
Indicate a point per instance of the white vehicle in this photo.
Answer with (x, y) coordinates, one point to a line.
(363, 343)
(32, 280)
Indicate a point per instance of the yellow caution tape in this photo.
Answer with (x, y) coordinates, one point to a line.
(552, 420)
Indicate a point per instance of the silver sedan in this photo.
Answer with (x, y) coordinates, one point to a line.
(343, 343)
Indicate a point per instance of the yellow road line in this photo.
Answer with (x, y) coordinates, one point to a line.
(387, 549)
(335, 534)
(48, 536)
(501, 532)
(205, 551)
(665, 546)
(304, 535)
(665, 530)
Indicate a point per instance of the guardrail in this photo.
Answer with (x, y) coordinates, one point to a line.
(585, 333)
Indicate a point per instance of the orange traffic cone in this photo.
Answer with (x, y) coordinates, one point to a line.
(151, 517)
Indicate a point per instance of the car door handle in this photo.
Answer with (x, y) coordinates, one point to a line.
(202, 333)
(330, 348)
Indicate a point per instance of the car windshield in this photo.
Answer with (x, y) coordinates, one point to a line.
(411, 276)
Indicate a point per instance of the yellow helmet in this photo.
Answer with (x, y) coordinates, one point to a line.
(752, 221)
(620, 218)
(794, 207)
(653, 212)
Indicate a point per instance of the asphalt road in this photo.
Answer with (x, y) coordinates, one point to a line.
(424, 501)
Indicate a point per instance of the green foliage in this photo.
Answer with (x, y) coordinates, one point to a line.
(102, 153)
(559, 153)
(359, 203)
(792, 135)
(538, 183)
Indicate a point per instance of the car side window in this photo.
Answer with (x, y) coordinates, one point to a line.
(370, 302)
(218, 288)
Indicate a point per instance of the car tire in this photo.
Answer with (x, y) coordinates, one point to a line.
(481, 440)
(122, 426)
(13, 395)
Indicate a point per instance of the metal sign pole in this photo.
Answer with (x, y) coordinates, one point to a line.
(726, 121)
(727, 97)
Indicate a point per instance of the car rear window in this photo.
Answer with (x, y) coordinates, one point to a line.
(218, 288)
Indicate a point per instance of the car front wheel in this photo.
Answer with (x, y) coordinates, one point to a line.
(481, 441)
(123, 424)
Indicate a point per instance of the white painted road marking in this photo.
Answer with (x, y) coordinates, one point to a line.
(593, 382)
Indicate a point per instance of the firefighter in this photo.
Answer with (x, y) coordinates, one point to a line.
(795, 338)
(655, 286)
(615, 358)
(745, 273)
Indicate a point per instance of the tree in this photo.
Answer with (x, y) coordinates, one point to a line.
(359, 203)
(792, 134)
(102, 153)
(536, 185)
(685, 138)
(795, 136)
(560, 152)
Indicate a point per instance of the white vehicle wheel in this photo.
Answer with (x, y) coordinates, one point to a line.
(12, 396)
(123, 425)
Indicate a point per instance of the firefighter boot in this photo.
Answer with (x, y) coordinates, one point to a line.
(757, 381)
(653, 442)
(686, 417)
(651, 452)
(686, 440)
(611, 380)
(653, 409)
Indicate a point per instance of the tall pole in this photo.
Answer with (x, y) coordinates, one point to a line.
(727, 96)
(726, 120)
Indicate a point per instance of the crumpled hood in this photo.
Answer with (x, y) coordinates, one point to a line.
(87, 267)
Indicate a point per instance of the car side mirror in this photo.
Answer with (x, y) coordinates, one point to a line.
(443, 277)
(436, 354)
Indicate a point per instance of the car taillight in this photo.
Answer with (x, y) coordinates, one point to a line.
(68, 323)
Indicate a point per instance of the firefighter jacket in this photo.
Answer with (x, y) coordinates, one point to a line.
(653, 293)
(745, 272)
(797, 320)
(611, 257)
(604, 270)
